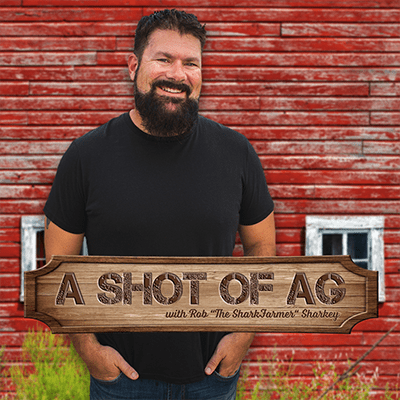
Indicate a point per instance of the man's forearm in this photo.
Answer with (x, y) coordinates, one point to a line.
(84, 343)
(103, 362)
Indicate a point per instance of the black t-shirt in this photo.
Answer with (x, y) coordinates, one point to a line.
(133, 194)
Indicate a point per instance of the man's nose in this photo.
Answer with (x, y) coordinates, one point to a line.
(176, 72)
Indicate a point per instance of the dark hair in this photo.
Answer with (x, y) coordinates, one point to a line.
(167, 19)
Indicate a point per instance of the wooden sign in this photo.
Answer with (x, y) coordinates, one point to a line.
(76, 294)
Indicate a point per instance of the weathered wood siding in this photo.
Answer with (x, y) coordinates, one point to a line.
(315, 86)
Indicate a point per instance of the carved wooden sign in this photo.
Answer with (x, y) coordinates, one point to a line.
(76, 294)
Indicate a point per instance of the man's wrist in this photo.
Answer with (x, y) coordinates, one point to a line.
(85, 343)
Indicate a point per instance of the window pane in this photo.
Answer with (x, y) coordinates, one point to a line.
(40, 256)
(362, 264)
(357, 245)
(332, 244)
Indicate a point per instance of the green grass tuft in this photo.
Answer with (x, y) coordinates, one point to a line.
(57, 372)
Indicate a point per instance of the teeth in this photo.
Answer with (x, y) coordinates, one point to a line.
(171, 90)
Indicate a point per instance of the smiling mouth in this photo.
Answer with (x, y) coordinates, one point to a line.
(170, 90)
(173, 88)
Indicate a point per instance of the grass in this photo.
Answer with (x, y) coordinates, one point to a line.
(56, 372)
(278, 383)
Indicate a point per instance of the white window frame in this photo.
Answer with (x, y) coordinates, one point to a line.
(316, 226)
(30, 226)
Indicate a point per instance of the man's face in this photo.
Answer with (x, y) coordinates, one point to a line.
(167, 82)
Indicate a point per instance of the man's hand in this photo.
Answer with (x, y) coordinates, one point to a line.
(229, 353)
(103, 362)
(108, 364)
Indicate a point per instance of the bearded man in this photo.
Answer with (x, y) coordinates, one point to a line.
(161, 180)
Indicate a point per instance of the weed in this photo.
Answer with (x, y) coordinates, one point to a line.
(56, 372)
(280, 384)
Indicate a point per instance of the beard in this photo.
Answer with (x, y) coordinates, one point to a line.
(160, 121)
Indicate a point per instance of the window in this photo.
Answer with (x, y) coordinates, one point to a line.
(355, 244)
(359, 237)
(32, 246)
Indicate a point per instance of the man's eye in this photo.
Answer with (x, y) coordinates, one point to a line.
(163, 60)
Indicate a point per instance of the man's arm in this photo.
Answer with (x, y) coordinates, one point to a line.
(60, 242)
(103, 362)
(257, 240)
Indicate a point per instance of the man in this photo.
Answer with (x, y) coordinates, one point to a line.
(162, 181)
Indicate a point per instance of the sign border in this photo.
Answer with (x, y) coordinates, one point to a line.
(371, 292)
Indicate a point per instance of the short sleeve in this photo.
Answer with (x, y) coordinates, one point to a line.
(65, 206)
(257, 203)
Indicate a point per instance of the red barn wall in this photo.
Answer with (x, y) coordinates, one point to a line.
(315, 86)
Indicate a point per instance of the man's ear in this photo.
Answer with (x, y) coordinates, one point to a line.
(133, 64)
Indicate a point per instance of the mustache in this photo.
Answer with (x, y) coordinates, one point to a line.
(172, 85)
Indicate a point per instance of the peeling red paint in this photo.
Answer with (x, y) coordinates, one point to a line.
(315, 86)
